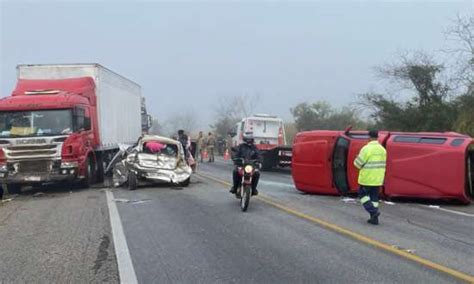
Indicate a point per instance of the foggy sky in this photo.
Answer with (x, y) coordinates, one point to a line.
(186, 54)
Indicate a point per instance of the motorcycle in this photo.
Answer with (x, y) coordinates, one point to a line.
(246, 170)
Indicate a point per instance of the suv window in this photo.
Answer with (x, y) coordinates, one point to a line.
(406, 139)
(430, 140)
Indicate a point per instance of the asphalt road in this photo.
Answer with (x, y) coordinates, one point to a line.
(199, 235)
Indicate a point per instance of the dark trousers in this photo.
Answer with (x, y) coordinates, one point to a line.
(238, 179)
(1, 192)
(369, 197)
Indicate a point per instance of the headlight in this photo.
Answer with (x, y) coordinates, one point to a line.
(69, 165)
(248, 169)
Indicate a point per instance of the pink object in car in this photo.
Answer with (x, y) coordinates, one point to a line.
(154, 147)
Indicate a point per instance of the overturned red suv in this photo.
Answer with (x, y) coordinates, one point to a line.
(419, 165)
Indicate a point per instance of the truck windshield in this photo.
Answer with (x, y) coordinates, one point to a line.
(35, 123)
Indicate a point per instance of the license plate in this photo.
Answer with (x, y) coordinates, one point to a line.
(33, 178)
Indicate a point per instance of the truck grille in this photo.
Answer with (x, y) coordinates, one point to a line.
(34, 167)
(32, 151)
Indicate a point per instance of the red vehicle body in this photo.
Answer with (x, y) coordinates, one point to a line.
(419, 165)
(50, 130)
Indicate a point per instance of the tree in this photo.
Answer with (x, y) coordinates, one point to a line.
(461, 34)
(320, 115)
(230, 110)
(186, 120)
(427, 110)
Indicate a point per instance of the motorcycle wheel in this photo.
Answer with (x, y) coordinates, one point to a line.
(245, 199)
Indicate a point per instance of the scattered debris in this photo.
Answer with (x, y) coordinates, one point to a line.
(7, 200)
(389, 203)
(434, 206)
(38, 194)
(349, 200)
(138, 201)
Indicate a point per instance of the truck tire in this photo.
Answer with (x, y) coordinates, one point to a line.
(89, 174)
(266, 164)
(100, 168)
(13, 188)
(132, 181)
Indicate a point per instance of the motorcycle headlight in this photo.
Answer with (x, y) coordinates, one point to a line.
(248, 169)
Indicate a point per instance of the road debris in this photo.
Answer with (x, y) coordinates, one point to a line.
(38, 194)
(349, 200)
(137, 201)
(389, 202)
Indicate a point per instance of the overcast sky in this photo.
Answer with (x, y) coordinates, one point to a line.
(187, 54)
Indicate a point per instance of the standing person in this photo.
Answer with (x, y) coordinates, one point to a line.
(200, 146)
(183, 139)
(211, 143)
(371, 163)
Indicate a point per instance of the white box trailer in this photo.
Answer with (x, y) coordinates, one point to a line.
(118, 98)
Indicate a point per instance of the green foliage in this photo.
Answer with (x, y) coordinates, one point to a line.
(321, 116)
(465, 119)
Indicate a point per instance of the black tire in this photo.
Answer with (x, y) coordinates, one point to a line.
(89, 176)
(132, 181)
(266, 163)
(186, 182)
(13, 188)
(100, 168)
(245, 199)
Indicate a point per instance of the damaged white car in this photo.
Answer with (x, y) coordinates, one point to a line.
(154, 159)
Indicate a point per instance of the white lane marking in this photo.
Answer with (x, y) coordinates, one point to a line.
(124, 261)
(274, 183)
(450, 211)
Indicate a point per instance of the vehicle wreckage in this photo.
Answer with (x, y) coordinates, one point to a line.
(154, 159)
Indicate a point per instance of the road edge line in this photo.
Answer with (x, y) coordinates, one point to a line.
(122, 253)
(359, 237)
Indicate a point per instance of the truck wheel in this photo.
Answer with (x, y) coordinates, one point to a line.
(266, 165)
(89, 175)
(132, 181)
(101, 165)
(13, 188)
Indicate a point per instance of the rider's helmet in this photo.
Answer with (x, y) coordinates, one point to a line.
(248, 138)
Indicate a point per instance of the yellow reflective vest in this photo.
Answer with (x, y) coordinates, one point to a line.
(371, 163)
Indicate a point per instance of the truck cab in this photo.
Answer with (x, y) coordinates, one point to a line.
(47, 132)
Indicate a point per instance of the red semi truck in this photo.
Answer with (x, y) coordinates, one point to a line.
(419, 165)
(64, 122)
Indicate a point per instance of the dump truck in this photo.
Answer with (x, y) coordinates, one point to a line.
(269, 134)
(64, 122)
(422, 165)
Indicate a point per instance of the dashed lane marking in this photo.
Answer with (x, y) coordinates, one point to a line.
(359, 237)
(124, 261)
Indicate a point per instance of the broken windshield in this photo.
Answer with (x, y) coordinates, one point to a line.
(35, 123)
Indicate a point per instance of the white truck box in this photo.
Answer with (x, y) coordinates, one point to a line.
(118, 98)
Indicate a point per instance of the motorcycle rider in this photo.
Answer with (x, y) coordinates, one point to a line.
(247, 151)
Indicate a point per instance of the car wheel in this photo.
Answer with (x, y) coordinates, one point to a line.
(13, 188)
(186, 182)
(132, 181)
